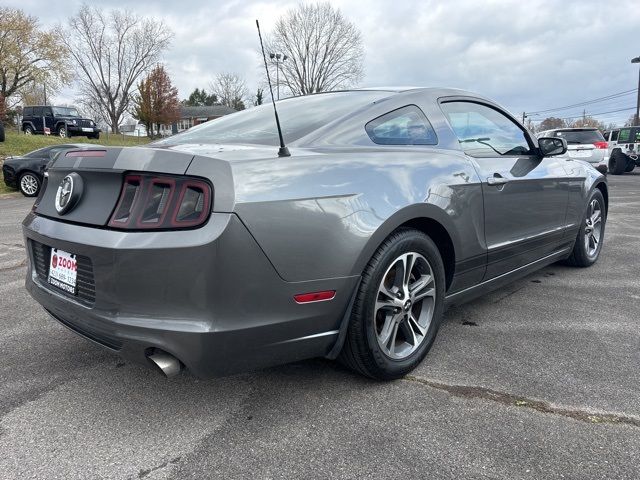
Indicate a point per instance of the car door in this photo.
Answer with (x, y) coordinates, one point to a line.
(38, 119)
(525, 195)
(48, 119)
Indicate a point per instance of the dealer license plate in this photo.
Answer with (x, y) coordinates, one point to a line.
(63, 270)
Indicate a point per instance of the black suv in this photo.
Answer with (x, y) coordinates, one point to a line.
(62, 121)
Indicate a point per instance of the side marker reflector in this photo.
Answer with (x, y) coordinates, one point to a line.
(315, 296)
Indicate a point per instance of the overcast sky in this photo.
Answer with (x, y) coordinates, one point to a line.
(528, 55)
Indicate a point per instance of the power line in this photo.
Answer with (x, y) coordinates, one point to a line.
(591, 114)
(585, 103)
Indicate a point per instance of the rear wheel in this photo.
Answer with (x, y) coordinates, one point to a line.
(29, 184)
(398, 307)
(617, 162)
(590, 238)
(28, 130)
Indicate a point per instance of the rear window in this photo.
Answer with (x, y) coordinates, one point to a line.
(299, 116)
(580, 136)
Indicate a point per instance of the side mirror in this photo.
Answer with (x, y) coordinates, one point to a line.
(550, 146)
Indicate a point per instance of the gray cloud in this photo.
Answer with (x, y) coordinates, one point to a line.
(527, 55)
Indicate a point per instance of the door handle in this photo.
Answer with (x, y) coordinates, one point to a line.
(497, 179)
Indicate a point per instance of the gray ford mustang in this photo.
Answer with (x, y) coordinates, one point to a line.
(209, 251)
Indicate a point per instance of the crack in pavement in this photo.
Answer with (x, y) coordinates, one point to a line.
(144, 473)
(465, 391)
(23, 263)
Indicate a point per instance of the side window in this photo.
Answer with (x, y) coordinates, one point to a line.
(48, 112)
(484, 131)
(614, 136)
(623, 135)
(37, 111)
(27, 112)
(404, 126)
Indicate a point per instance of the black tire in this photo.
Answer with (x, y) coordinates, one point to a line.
(630, 166)
(29, 184)
(617, 162)
(62, 131)
(28, 130)
(581, 256)
(362, 351)
(94, 136)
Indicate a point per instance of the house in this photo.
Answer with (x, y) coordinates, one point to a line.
(134, 130)
(191, 116)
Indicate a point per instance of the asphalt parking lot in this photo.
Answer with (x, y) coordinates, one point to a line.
(538, 380)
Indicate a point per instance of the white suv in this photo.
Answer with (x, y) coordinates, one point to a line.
(586, 144)
(624, 146)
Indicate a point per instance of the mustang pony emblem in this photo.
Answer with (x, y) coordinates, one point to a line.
(68, 193)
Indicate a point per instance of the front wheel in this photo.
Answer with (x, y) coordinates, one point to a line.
(398, 307)
(29, 184)
(590, 238)
(630, 166)
(62, 131)
(28, 130)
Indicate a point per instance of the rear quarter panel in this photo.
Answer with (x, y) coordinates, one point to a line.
(323, 215)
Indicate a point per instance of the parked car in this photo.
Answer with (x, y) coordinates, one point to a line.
(624, 149)
(217, 251)
(586, 144)
(26, 173)
(62, 121)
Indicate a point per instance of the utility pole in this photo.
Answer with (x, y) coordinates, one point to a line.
(637, 119)
(44, 86)
(584, 116)
(524, 115)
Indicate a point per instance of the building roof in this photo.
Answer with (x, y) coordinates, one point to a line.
(212, 111)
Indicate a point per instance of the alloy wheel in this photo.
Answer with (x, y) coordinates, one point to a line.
(62, 132)
(405, 305)
(593, 228)
(29, 184)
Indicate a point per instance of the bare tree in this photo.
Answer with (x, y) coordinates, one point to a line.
(113, 51)
(324, 50)
(550, 123)
(230, 90)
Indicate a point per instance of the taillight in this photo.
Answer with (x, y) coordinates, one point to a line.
(161, 202)
(601, 145)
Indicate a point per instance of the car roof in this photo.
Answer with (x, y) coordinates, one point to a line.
(437, 91)
(571, 129)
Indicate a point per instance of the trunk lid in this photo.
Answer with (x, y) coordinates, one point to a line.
(102, 171)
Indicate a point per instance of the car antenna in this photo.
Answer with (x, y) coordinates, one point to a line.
(283, 151)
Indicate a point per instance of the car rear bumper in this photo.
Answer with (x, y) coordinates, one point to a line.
(77, 130)
(209, 296)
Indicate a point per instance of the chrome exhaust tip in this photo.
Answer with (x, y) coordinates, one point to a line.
(168, 364)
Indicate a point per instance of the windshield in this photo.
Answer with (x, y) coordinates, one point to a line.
(40, 153)
(299, 116)
(65, 111)
(580, 136)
